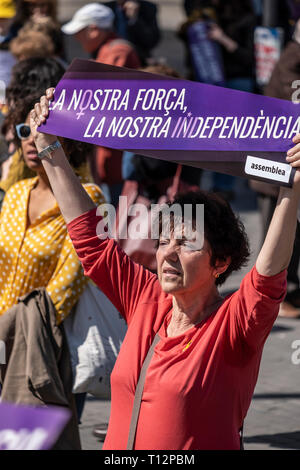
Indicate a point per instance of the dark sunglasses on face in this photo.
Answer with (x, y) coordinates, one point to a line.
(23, 131)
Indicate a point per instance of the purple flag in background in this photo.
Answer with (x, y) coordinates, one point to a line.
(206, 54)
(30, 428)
(192, 123)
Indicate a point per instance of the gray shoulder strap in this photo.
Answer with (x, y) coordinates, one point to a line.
(139, 393)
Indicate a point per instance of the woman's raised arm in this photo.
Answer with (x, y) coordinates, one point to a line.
(71, 197)
(277, 249)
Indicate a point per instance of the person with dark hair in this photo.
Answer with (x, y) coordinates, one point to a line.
(136, 21)
(28, 77)
(190, 6)
(32, 75)
(40, 252)
(231, 24)
(187, 369)
(55, 264)
(234, 32)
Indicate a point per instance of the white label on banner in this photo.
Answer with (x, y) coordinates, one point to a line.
(268, 169)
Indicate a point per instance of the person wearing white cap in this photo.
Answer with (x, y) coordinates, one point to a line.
(92, 26)
(93, 13)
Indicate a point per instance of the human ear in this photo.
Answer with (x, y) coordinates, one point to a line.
(221, 266)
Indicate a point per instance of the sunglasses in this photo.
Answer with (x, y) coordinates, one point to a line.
(23, 131)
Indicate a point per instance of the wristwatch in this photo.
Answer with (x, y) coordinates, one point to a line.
(48, 151)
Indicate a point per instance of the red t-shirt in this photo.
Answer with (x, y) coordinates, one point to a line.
(199, 384)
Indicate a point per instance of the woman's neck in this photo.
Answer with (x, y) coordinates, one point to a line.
(189, 312)
(43, 183)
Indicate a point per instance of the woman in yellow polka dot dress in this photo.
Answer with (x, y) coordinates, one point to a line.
(35, 249)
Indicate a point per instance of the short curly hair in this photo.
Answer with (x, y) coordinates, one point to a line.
(29, 82)
(31, 76)
(223, 230)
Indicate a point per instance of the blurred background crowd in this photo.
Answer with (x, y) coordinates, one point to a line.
(249, 45)
(252, 46)
(245, 41)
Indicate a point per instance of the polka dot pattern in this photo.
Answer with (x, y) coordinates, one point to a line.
(40, 254)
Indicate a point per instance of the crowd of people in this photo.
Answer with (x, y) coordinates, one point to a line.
(206, 349)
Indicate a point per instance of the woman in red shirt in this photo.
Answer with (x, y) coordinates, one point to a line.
(204, 369)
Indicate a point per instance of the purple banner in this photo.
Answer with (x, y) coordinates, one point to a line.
(30, 428)
(205, 54)
(192, 123)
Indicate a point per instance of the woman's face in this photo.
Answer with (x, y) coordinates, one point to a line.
(30, 152)
(182, 267)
